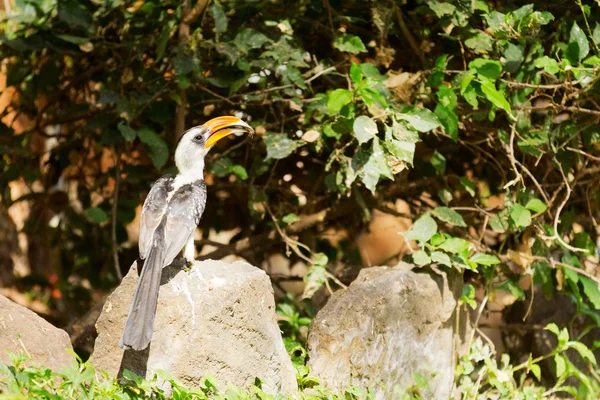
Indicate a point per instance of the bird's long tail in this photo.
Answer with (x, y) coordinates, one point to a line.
(140, 321)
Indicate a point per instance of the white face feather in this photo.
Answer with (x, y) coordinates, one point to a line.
(190, 153)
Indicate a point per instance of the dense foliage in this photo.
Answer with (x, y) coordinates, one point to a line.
(483, 117)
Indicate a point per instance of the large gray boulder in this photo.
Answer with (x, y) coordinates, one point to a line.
(217, 318)
(389, 324)
(23, 331)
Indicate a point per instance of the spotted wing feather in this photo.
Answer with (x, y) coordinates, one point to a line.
(184, 212)
(153, 211)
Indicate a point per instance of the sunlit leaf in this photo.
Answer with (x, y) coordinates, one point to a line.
(520, 216)
(350, 44)
(421, 119)
(484, 259)
(422, 230)
(337, 99)
(364, 128)
(449, 216)
(279, 145)
(577, 35)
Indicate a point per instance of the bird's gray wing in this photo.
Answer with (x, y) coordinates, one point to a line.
(152, 212)
(184, 212)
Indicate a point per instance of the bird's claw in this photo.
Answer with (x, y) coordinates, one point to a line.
(187, 265)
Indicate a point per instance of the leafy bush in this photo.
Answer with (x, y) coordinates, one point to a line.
(484, 120)
(82, 381)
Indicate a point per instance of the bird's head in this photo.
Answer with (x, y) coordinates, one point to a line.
(196, 142)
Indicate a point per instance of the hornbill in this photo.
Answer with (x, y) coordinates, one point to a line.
(170, 214)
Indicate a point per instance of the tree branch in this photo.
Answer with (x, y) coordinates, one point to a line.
(406, 32)
(188, 16)
(195, 12)
(115, 204)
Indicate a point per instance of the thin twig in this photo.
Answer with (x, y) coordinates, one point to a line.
(217, 95)
(557, 216)
(539, 86)
(510, 151)
(558, 107)
(408, 35)
(195, 12)
(588, 155)
(115, 204)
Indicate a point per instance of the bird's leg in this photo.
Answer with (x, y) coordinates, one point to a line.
(189, 253)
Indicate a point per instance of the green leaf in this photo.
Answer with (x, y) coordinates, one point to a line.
(422, 230)
(590, 288)
(490, 69)
(422, 119)
(561, 366)
(536, 371)
(480, 42)
(578, 36)
(250, 39)
(468, 296)
(161, 43)
(290, 218)
(421, 258)
(512, 288)
(239, 171)
(445, 196)
(349, 44)
(449, 216)
(514, 55)
(402, 150)
(454, 245)
(375, 166)
(494, 96)
(549, 64)
(126, 131)
(74, 39)
(158, 151)
(74, 14)
(314, 279)
(468, 185)
(536, 205)
(279, 145)
(484, 259)
(441, 8)
(108, 96)
(365, 129)
(447, 97)
(520, 216)
(449, 120)
(583, 350)
(441, 258)
(96, 214)
(596, 34)
(338, 99)
(185, 63)
(216, 11)
(552, 327)
(370, 71)
(355, 73)
(438, 161)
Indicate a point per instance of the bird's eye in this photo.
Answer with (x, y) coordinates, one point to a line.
(199, 138)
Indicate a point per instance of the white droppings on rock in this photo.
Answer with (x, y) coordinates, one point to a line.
(217, 319)
(216, 281)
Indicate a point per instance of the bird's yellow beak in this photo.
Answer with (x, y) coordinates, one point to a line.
(220, 127)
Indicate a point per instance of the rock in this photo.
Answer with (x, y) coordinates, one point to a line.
(387, 325)
(216, 319)
(22, 330)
